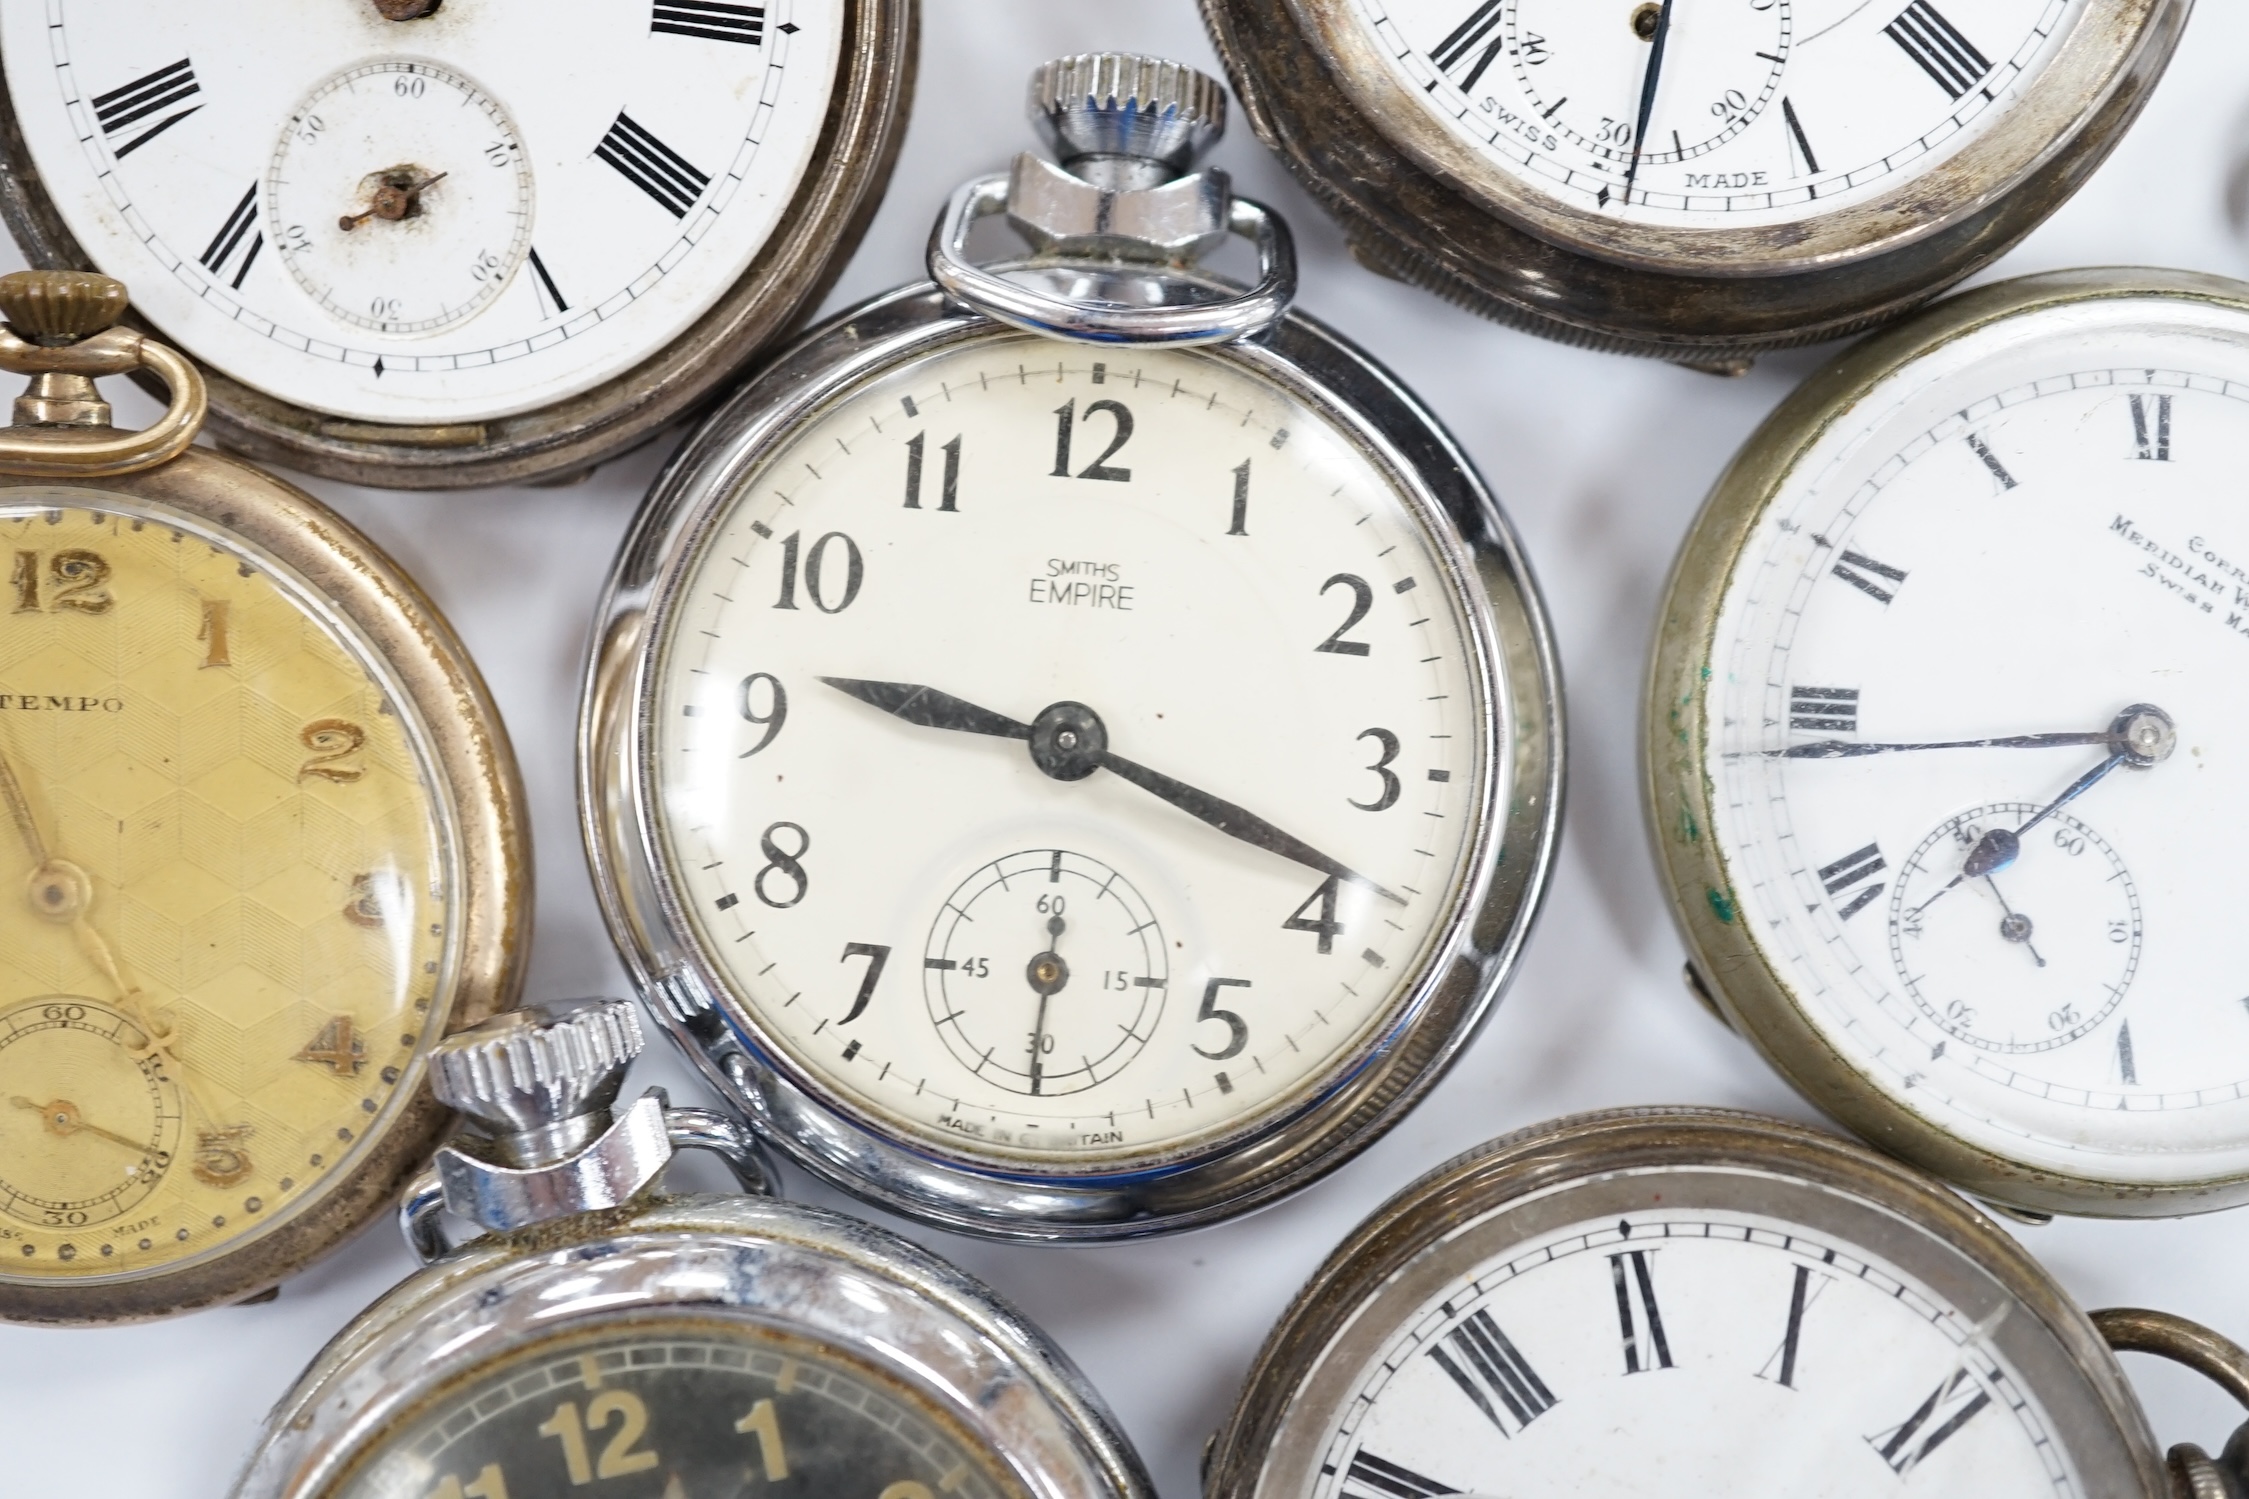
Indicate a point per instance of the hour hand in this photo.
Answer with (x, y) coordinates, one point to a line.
(930, 708)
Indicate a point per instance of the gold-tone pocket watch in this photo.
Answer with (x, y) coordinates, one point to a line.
(1699, 1303)
(1947, 751)
(1698, 180)
(1075, 749)
(597, 1332)
(428, 245)
(260, 845)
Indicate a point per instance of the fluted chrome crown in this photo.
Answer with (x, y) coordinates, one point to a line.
(540, 1065)
(1117, 104)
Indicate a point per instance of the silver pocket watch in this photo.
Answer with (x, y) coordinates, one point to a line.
(598, 1332)
(1074, 750)
(1698, 180)
(1945, 739)
(1700, 1303)
(425, 245)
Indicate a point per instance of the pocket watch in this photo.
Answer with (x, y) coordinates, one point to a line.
(1945, 741)
(427, 245)
(599, 1332)
(1699, 180)
(1700, 1302)
(260, 845)
(1074, 750)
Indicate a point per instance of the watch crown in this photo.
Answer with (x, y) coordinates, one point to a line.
(1126, 115)
(547, 1064)
(50, 308)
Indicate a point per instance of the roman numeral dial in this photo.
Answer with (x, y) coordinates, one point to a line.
(138, 112)
(1753, 113)
(1707, 1345)
(342, 218)
(668, 178)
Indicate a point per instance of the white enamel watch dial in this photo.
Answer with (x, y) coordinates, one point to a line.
(1688, 1303)
(571, 185)
(1598, 1355)
(1976, 734)
(880, 706)
(1763, 112)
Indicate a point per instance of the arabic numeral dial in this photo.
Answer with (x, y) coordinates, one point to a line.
(1068, 753)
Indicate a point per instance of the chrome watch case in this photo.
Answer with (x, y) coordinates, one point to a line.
(1149, 296)
(1420, 206)
(577, 1235)
(1459, 1213)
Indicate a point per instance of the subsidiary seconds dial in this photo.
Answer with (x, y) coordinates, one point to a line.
(1068, 754)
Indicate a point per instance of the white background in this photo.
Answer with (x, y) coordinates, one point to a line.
(1600, 460)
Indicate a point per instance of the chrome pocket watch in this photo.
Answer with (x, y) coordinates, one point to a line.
(1698, 180)
(601, 1333)
(1074, 750)
(1695, 1302)
(261, 845)
(426, 245)
(1945, 742)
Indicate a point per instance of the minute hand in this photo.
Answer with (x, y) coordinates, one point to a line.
(1235, 822)
(1845, 749)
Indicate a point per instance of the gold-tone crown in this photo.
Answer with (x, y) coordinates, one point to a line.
(60, 307)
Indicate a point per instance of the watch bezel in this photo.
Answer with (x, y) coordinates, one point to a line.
(1290, 1144)
(563, 441)
(1603, 1152)
(1679, 796)
(1419, 204)
(477, 792)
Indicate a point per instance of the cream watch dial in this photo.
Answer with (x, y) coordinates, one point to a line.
(1977, 739)
(1067, 757)
(571, 185)
(1764, 111)
(1693, 1352)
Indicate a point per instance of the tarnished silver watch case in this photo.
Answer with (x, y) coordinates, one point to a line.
(561, 442)
(705, 1263)
(1470, 1210)
(1727, 969)
(1360, 1096)
(1418, 204)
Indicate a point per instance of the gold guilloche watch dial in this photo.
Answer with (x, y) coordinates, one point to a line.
(256, 836)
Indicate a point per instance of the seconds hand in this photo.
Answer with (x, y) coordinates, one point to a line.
(1648, 82)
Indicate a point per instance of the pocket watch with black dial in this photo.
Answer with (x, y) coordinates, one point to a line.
(1075, 750)
(1701, 1303)
(1698, 180)
(598, 1332)
(1947, 750)
(260, 847)
(427, 245)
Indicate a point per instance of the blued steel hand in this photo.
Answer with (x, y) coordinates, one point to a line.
(1845, 749)
(1069, 742)
(2013, 925)
(2142, 734)
(1648, 81)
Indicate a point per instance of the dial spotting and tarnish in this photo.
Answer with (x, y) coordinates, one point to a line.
(1761, 112)
(677, 1412)
(1690, 1352)
(224, 894)
(1977, 735)
(1066, 757)
(569, 187)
